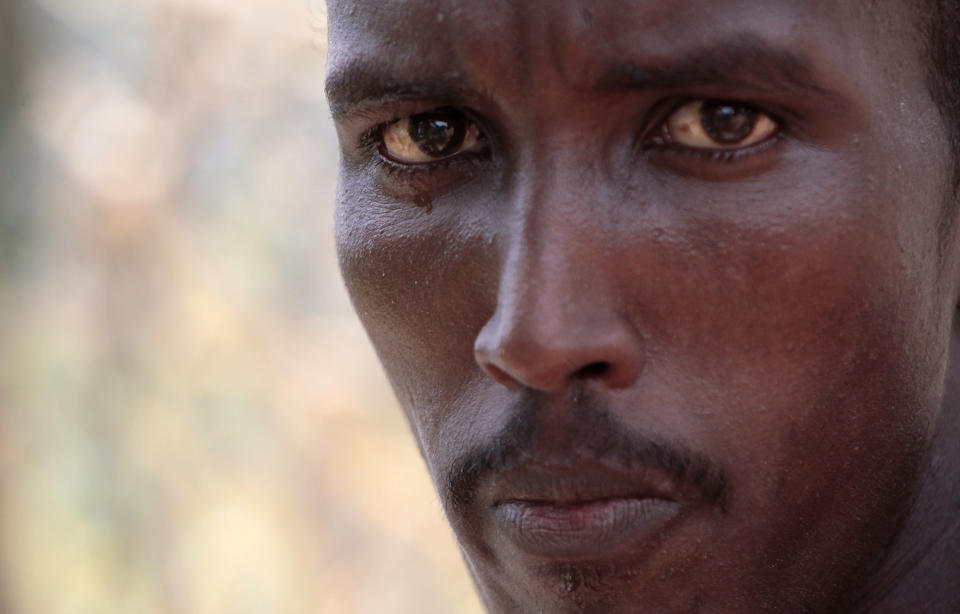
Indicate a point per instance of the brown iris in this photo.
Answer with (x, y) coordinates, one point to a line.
(438, 133)
(433, 135)
(727, 123)
(718, 124)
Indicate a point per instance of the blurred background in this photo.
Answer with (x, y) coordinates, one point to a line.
(191, 420)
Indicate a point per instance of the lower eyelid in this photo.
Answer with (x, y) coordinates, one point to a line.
(662, 134)
(718, 165)
(427, 170)
(727, 152)
(652, 146)
(480, 149)
(661, 140)
(713, 151)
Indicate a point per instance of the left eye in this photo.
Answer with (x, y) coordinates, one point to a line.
(718, 125)
(431, 136)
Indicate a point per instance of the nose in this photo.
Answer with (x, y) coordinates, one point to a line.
(560, 316)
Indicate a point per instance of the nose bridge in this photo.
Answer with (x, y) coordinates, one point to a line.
(542, 285)
(557, 317)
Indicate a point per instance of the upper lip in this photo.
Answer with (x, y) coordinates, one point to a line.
(579, 482)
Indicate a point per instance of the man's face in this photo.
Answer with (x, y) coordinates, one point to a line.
(660, 285)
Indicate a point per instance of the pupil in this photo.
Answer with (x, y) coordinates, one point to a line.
(726, 122)
(438, 133)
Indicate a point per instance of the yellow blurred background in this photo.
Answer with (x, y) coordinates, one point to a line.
(191, 420)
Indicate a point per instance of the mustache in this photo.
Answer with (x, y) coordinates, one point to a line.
(597, 435)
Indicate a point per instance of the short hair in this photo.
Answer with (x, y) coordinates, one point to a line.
(941, 30)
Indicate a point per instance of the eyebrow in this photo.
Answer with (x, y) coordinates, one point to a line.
(744, 61)
(363, 82)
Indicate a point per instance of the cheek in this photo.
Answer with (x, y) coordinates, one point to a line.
(817, 328)
(764, 303)
(814, 370)
(423, 283)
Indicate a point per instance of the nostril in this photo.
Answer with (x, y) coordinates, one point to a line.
(594, 369)
(502, 376)
(528, 355)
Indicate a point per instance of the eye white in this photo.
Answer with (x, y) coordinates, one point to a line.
(400, 144)
(685, 127)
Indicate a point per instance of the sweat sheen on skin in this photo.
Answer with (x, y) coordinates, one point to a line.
(656, 362)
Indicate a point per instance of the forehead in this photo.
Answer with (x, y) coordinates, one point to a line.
(500, 24)
(504, 46)
(519, 33)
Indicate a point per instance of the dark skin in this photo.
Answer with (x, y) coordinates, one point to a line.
(667, 291)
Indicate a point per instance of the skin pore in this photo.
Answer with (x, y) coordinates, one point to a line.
(666, 292)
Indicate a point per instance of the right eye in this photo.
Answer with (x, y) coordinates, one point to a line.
(431, 136)
(718, 125)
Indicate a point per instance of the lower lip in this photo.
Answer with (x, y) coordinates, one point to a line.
(587, 529)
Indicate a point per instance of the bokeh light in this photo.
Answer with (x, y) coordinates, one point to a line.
(191, 419)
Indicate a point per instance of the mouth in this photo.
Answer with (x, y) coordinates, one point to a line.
(583, 512)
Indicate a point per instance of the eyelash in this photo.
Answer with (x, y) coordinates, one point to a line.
(663, 144)
(372, 141)
(721, 155)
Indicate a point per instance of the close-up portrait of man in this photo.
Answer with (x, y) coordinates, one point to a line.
(668, 291)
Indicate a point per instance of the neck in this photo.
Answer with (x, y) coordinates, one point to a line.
(921, 573)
